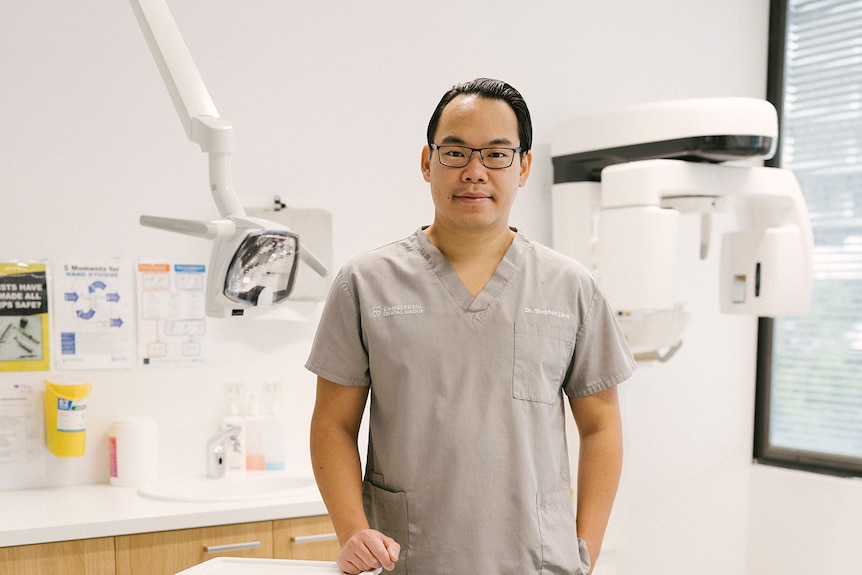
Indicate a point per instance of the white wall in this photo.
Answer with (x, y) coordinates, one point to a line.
(315, 91)
(804, 523)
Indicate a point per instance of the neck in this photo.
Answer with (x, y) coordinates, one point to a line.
(464, 246)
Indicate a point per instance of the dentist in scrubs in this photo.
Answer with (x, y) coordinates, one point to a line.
(469, 339)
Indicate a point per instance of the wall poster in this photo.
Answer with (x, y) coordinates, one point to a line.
(24, 326)
(171, 313)
(94, 313)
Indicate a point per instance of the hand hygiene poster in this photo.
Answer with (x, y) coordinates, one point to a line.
(94, 314)
(24, 333)
(171, 313)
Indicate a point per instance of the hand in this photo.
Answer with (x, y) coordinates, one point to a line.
(366, 550)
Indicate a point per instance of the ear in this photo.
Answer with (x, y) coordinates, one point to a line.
(426, 163)
(526, 162)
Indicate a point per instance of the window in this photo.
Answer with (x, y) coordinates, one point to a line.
(809, 404)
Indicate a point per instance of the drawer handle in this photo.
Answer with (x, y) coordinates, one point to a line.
(232, 547)
(314, 538)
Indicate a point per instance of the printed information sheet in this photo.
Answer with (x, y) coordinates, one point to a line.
(22, 436)
(172, 313)
(94, 314)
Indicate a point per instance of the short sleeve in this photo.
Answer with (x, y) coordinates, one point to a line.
(339, 353)
(602, 357)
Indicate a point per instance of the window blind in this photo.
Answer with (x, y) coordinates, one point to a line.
(815, 391)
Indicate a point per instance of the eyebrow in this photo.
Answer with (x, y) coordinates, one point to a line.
(455, 140)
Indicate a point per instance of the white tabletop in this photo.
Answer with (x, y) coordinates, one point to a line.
(48, 514)
(239, 566)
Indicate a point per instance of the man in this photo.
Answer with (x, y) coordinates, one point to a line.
(468, 335)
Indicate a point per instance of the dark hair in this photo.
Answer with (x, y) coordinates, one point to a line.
(492, 90)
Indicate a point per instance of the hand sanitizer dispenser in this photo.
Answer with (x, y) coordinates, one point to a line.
(273, 429)
(235, 453)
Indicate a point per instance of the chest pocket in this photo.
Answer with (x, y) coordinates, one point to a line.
(542, 356)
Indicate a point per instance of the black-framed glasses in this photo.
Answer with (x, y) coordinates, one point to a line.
(460, 156)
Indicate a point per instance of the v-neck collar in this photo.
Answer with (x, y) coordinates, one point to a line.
(450, 280)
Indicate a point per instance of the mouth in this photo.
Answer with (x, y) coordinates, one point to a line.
(471, 198)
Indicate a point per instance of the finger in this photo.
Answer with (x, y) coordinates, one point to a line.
(393, 548)
(369, 549)
(358, 553)
(354, 563)
(380, 549)
(348, 567)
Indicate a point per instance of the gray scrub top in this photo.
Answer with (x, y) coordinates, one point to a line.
(467, 464)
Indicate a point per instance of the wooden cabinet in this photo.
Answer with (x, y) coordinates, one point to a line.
(81, 557)
(305, 538)
(168, 552)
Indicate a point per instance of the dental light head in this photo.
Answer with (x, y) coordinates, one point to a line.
(262, 269)
(623, 180)
(254, 261)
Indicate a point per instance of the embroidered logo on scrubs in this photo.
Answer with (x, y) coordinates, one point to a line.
(545, 311)
(397, 309)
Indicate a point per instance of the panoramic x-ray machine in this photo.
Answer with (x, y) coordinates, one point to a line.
(621, 182)
(254, 261)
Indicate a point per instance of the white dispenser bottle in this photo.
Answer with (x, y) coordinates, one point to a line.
(235, 457)
(255, 459)
(273, 428)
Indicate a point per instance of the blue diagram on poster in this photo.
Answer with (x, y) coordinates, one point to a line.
(94, 314)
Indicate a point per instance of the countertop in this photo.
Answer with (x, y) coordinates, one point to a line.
(47, 514)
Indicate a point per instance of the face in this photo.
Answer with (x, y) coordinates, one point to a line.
(474, 197)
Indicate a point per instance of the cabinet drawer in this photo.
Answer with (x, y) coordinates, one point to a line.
(81, 557)
(305, 538)
(168, 552)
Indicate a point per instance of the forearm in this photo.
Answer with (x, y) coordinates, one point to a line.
(599, 469)
(338, 472)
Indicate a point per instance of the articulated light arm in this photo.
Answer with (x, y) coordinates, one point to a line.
(190, 97)
(215, 229)
(253, 263)
(179, 72)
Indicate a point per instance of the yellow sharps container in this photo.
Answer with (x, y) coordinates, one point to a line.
(66, 418)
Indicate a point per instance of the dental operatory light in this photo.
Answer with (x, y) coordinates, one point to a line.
(263, 269)
(622, 179)
(254, 261)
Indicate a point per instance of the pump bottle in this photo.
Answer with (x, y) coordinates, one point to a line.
(274, 440)
(235, 460)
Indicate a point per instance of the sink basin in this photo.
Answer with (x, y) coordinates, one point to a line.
(253, 485)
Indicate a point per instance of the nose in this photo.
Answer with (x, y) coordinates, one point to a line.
(475, 170)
